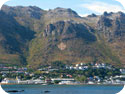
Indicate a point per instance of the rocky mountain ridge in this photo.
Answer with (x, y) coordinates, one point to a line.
(35, 37)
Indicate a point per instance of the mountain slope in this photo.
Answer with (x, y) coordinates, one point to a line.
(32, 36)
(13, 40)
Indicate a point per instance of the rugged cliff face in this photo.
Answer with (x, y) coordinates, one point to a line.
(65, 41)
(111, 27)
(32, 36)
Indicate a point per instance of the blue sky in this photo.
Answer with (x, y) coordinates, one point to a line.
(82, 7)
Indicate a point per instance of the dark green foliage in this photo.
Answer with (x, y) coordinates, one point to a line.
(58, 64)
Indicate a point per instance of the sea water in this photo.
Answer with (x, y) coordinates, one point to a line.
(63, 89)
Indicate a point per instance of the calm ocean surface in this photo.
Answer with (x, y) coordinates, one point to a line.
(63, 89)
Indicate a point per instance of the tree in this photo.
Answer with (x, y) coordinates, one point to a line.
(82, 79)
(109, 74)
(58, 64)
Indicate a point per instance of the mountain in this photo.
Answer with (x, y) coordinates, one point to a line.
(13, 40)
(112, 28)
(35, 37)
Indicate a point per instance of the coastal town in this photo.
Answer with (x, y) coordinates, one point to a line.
(62, 74)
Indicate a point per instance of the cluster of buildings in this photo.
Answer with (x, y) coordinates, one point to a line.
(39, 81)
(118, 79)
(14, 69)
(115, 80)
(65, 81)
(18, 81)
(83, 66)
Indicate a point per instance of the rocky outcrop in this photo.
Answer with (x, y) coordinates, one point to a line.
(36, 37)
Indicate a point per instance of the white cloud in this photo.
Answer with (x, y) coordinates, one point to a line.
(122, 2)
(101, 7)
(83, 15)
(2, 2)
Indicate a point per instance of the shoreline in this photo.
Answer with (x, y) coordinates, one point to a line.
(68, 84)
